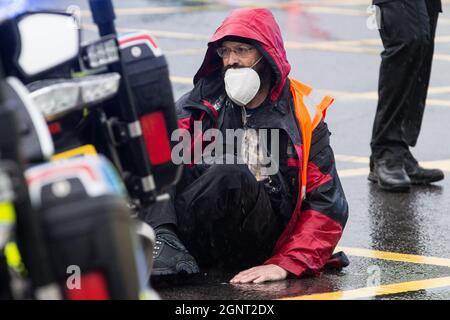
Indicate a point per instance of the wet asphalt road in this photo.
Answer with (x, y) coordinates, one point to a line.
(330, 48)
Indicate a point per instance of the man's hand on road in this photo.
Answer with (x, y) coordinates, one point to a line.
(259, 274)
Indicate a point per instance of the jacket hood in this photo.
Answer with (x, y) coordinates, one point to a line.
(259, 26)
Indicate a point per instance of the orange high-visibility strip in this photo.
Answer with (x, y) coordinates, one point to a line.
(299, 90)
(304, 89)
(301, 112)
(321, 110)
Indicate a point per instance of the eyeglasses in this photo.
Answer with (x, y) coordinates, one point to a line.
(241, 52)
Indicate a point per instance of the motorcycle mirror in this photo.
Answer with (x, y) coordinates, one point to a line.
(47, 40)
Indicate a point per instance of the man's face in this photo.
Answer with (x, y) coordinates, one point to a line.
(238, 55)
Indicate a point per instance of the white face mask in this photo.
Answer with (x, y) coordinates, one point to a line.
(242, 84)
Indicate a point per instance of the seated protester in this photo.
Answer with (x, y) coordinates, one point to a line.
(244, 214)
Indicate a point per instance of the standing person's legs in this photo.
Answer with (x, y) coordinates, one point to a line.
(225, 218)
(416, 103)
(405, 34)
(412, 121)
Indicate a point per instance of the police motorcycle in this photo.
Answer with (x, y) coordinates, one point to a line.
(133, 127)
(65, 225)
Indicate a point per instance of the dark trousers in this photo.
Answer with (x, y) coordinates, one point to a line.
(408, 29)
(223, 216)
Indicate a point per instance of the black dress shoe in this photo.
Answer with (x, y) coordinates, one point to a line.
(420, 175)
(390, 175)
(170, 257)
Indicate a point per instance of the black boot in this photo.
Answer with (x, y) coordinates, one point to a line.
(390, 175)
(170, 256)
(420, 175)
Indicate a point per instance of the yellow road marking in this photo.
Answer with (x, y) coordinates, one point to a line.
(438, 103)
(441, 164)
(381, 290)
(307, 7)
(346, 46)
(441, 56)
(336, 11)
(347, 2)
(387, 289)
(312, 7)
(353, 43)
(184, 52)
(353, 172)
(329, 46)
(332, 43)
(372, 41)
(181, 80)
(350, 96)
(156, 33)
(394, 256)
(340, 45)
(442, 39)
(373, 95)
(353, 159)
(338, 2)
(155, 10)
(444, 21)
(438, 90)
(315, 2)
(444, 165)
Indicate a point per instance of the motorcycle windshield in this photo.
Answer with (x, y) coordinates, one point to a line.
(11, 8)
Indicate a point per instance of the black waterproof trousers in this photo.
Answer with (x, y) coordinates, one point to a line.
(408, 29)
(223, 216)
